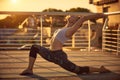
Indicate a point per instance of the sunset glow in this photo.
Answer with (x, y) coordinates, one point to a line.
(14, 1)
(40, 5)
(3, 16)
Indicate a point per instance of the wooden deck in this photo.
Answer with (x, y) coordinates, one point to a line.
(12, 63)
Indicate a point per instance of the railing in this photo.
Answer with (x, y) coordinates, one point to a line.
(118, 48)
(111, 38)
(75, 42)
(16, 39)
(13, 41)
(21, 39)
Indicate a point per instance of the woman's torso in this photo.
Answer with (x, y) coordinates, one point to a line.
(58, 39)
(56, 45)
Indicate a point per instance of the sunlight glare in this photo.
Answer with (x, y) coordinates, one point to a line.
(3, 16)
(14, 1)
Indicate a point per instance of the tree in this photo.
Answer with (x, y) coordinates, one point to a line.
(59, 19)
(52, 10)
(12, 21)
(54, 20)
(78, 9)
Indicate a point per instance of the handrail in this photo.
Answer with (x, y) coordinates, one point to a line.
(112, 13)
(54, 13)
(44, 13)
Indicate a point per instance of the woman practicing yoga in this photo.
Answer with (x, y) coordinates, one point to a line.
(56, 55)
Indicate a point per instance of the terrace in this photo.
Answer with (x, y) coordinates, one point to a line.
(14, 56)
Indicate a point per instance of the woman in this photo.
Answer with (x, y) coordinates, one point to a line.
(56, 55)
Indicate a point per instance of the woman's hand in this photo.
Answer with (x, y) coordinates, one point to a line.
(100, 15)
(94, 16)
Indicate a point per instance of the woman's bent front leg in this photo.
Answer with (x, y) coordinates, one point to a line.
(33, 55)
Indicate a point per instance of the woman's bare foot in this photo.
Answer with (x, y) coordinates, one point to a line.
(104, 70)
(27, 72)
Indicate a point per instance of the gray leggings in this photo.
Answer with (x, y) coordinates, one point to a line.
(58, 57)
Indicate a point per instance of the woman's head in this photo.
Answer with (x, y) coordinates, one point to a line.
(72, 18)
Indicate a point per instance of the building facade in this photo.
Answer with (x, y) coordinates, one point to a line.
(108, 6)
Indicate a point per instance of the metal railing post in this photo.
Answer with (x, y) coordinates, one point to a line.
(73, 41)
(104, 26)
(89, 33)
(41, 28)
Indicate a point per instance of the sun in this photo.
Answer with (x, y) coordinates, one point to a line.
(14, 1)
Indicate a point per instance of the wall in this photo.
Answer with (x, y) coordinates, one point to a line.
(114, 19)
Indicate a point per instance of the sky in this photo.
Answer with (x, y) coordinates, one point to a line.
(40, 5)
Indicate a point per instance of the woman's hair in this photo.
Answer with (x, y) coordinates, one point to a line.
(67, 17)
(76, 17)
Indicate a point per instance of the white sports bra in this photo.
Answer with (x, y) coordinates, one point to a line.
(60, 35)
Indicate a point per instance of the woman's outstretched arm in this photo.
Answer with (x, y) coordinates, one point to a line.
(82, 19)
(88, 17)
(94, 16)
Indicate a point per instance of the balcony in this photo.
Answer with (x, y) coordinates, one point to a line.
(102, 2)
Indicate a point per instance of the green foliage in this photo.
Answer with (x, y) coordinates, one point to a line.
(52, 10)
(78, 9)
(12, 21)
